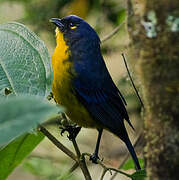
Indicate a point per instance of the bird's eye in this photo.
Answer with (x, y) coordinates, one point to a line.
(72, 26)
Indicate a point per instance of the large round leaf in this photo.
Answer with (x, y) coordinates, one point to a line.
(24, 61)
(21, 114)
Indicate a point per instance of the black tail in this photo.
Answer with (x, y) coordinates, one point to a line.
(133, 154)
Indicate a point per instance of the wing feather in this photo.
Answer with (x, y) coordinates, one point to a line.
(106, 107)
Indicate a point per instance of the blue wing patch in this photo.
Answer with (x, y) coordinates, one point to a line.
(107, 107)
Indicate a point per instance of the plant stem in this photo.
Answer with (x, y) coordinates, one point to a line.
(73, 167)
(111, 169)
(105, 168)
(57, 143)
(82, 162)
(142, 104)
(78, 153)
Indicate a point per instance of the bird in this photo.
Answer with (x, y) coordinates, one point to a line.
(83, 85)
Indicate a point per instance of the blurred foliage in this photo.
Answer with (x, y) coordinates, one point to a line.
(25, 80)
(104, 15)
(38, 12)
(113, 10)
(130, 164)
(133, 103)
(46, 169)
(139, 175)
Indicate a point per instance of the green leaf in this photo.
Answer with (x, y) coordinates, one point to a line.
(139, 175)
(12, 154)
(121, 16)
(130, 164)
(25, 66)
(21, 114)
(46, 168)
(40, 167)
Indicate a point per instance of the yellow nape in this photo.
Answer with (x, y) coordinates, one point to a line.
(63, 73)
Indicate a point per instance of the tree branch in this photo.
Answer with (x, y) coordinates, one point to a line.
(81, 161)
(108, 36)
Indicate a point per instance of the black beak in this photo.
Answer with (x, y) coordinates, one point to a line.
(58, 23)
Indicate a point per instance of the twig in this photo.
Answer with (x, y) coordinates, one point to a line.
(127, 156)
(121, 164)
(84, 169)
(105, 168)
(110, 170)
(132, 81)
(108, 36)
(57, 143)
(81, 161)
(78, 153)
(73, 167)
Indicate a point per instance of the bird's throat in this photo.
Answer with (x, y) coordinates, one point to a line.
(61, 66)
(60, 58)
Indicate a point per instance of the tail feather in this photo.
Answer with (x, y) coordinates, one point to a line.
(133, 154)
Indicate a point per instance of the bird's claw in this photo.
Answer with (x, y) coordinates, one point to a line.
(72, 130)
(94, 158)
(62, 131)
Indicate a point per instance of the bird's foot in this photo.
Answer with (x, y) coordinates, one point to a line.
(72, 130)
(94, 158)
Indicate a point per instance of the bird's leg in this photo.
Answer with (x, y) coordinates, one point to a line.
(73, 131)
(95, 157)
